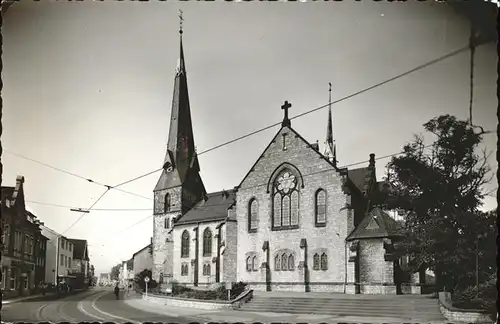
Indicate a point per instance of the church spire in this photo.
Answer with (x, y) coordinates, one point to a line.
(180, 156)
(330, 148)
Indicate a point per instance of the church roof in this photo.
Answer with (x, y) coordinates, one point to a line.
(212, 209)
(180, 155)
(376, 224)
(358, 176)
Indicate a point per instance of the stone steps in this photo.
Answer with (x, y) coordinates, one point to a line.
(423, 309)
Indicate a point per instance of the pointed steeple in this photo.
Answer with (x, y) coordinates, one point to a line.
(181, 155)
(330, 147)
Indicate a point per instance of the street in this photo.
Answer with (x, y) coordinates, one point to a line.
(98, 304)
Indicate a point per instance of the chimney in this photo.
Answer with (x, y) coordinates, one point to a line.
(19, 179)
(372, 160)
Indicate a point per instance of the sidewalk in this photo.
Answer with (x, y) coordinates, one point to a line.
(226, 316)
(49, 295)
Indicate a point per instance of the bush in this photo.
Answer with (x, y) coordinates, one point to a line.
(468, 298)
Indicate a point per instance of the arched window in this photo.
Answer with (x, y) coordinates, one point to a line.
(316, 261)
(284, 262)
(209, 270)
(320, 208)
(249, 263)
(184, 269)
(167, 202)
(277, 263)
(254, 263)
(324, 262)
(291, 262)
(253, 209)
(207, 242)
(167, 222)
(285, 201)
(185, 245)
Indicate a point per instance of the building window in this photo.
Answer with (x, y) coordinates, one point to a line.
(69, 262)
(284, 262)
(207, 242)
(324, 262)
(285, 201)
(206, 269)
(291, 262)
(277, 263)
(249, 264)
(4, 278)
(167, 202)
(316, 261)
(70, 247)
(254, 263)
(61, 262)
(167, 222)
(185, 244)
(184, 269)
(253, 210)
(320, 208)
(6, 237)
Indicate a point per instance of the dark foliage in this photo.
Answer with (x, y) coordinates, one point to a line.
(139, 280)
(439, 189)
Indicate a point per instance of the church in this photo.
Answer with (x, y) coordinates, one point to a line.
(295, 222)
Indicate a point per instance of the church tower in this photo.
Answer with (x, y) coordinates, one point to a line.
(180, 186)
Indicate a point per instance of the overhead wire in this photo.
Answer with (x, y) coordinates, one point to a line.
(453, 53)
(72, 174)
(441, 58)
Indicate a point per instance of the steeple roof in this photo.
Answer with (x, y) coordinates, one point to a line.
(180, 156)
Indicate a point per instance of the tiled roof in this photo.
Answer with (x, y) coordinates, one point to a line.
(214, 208)
(357, 177)
(79, 248)
(376, 224)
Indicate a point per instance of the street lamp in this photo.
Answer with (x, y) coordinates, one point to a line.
(79, 210)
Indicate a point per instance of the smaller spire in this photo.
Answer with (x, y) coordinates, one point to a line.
(330, 149)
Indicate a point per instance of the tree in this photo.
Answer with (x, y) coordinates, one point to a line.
(139, 279)
(440, 191)
(115, 272)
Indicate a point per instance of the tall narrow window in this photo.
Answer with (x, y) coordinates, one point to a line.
(254, 263)
(253, 210)
(249, 263)
(324, 262)
(277, 263)
(277, 210)
(284, 262)
(285, 201)
(316, 261)
(320, 208)
(167, 202)
(291, 262)
(185, 245)
(208, 270)
(167, 222)
(207, 242)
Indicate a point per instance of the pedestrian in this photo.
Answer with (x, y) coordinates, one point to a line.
(117, 291)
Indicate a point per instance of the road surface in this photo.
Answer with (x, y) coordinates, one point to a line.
(94, 305)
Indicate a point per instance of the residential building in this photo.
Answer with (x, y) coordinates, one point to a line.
(21, 234)
(142, 259)
(81, 264)
(126, 274)
(295, 222)
(59, 257)
(104, 279)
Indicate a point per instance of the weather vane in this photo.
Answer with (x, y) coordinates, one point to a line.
(180, 20)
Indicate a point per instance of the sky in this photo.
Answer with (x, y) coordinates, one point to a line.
(88, 89)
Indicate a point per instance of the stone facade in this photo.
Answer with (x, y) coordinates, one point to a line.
(289, 225)
(312, 173)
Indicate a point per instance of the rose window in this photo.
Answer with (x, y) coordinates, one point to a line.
(286, 182)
